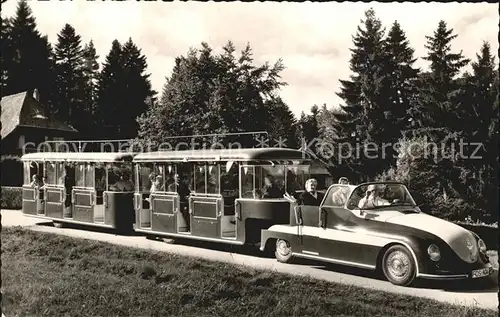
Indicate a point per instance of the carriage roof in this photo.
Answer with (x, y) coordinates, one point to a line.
(80, 156)
(251, 154)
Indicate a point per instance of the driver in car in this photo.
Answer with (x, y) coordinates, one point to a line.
(372, 199)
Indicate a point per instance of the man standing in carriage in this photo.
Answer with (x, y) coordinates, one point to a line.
(68, 181)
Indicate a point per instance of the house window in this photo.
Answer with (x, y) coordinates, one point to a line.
(22, 141)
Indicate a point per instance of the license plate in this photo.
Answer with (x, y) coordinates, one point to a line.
(481, 272)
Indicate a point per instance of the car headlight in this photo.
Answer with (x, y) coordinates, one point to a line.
(434, 253)
(481, 245)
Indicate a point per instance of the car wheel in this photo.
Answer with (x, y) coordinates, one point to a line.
(283, 251)
(398, 266)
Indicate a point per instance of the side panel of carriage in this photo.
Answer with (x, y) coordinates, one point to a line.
(164, 208)
(254, 215)
(33, 201)
(30, 197)
(54, 201)
(208, 218)
(83, 202)
(206, 214)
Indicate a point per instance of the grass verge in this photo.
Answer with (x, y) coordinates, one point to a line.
(51, 275)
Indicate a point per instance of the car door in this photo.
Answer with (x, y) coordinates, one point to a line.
(337, 231)
(309, 233)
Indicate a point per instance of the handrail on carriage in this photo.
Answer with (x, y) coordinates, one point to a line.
(127, 145)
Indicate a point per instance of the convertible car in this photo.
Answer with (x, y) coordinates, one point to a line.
(378, 226)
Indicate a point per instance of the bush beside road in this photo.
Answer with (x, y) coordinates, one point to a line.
(12, 197)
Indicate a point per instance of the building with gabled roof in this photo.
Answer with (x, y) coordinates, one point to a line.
(26, 125)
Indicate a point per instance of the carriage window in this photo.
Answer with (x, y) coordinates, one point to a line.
(159, 178)
(247, 182)
(270, 181)
(120, 177)
(89, 176)
(100, 179)
(186, 174)
(80, 175)
(84, 173)
(170, 171)
(41, 171)
(199, 178)
(32, 169)
(213, 179)
(60, 173)
(296, 178)
(229, 179)
(55, 173)
(113, 175)
(51, 173)
(145, 177)
(127, 173)
(27, 173)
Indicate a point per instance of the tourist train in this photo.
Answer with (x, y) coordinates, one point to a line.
(251, 196)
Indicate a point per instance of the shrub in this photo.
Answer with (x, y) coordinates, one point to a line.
(12, 171)
(489, 233)
(12, 197)
(445, 186)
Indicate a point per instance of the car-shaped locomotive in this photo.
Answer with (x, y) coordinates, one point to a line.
(379, 226)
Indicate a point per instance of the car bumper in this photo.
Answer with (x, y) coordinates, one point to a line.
(474, 274)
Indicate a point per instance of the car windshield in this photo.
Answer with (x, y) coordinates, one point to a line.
(372, 196)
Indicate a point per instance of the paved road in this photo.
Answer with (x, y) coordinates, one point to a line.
(483, 294)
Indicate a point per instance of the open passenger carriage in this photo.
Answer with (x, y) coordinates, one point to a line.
(84, 188)
(225, 196)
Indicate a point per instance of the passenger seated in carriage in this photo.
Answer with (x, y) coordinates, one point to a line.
(343, 181)
(311, 197)
(270, 189)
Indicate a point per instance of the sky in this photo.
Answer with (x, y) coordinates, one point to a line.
(313, 39)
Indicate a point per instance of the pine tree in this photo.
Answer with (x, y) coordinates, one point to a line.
(481, 111)
(70, 81)
(401, 83)
(438, 111)
(309, 128)
(481, 95)
(326, 122)
(438, 103)
(110, 98)
(124, 91)
(91, 75)
(135, 88)
(29, 55)
(281, 124)
(363, 117)
(7, 52)
(49, 99)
